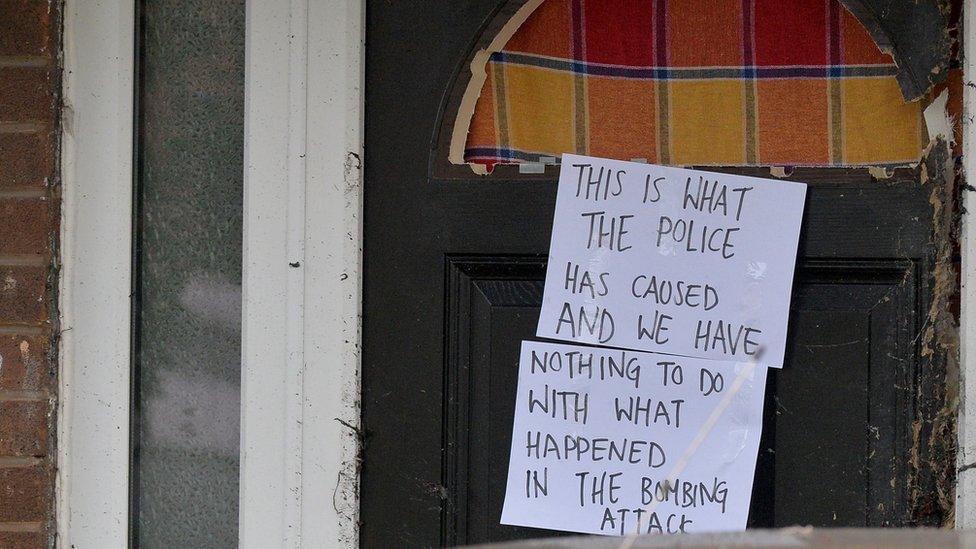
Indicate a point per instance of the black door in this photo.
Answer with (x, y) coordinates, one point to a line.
(454, 265)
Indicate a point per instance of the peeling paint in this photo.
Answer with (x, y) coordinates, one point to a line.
(352, 172)
(933, 452)
(938, 122)
(880, 172)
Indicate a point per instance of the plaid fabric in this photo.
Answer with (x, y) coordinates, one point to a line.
(695, 82)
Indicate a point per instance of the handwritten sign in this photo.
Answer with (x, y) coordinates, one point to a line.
(616, 442)
(670, 260)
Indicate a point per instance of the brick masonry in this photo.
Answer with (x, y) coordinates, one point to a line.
(30, 83)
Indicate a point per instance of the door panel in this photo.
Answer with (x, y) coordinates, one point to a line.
(453, 282)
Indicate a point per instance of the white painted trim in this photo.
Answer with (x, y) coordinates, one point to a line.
(966, 457)
(93, 417)
(302, 273)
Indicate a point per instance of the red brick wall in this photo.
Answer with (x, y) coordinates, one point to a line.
(30, 34)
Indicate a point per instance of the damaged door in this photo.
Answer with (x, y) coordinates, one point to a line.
(454, 265)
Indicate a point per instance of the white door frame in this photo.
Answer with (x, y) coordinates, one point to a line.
(966, 456)
(96, 243)
(302, 274)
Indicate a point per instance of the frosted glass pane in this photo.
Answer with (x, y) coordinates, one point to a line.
(188, 345)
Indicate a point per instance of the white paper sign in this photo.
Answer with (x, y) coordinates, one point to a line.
(676, 261)
(618, 442)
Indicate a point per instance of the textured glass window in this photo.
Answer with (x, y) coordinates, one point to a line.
(188, 291)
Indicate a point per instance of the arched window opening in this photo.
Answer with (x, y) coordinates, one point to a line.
(716, 82)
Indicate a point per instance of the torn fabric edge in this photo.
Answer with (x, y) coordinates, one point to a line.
(479, 74)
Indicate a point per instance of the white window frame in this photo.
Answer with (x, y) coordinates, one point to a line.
(302, 274)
